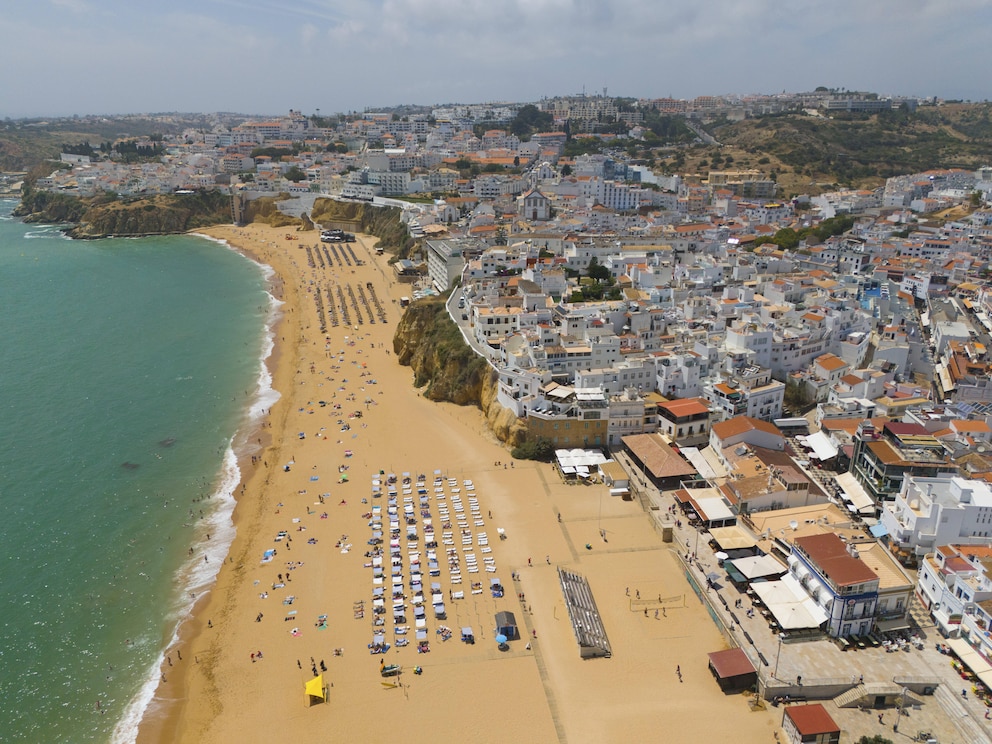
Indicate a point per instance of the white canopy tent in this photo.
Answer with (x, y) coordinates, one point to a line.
(579, 461)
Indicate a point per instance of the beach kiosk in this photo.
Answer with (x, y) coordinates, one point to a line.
(733, 671)
(506, 624)
(315, 690)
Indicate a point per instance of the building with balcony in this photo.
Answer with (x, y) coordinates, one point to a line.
(629, 413)
(929, 512)
(570, 418)
(882, 458)
(686, 421)
(834, 575)
(748, 391)
(954, 586)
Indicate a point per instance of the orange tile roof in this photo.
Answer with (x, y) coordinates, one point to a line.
(740, 424)
(830, 362)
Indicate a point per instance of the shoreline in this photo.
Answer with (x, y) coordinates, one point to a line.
(255, 427)
(162, 715)
(537, 689)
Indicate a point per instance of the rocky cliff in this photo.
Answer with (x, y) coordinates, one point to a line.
(108, 215)
(448, 369)
(383, 222)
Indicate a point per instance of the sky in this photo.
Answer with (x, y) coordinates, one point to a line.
(63, 57)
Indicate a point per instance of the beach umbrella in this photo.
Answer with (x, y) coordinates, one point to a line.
(501, 639)
(721, 556)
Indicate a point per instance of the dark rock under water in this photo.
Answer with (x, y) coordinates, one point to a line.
(167, 442)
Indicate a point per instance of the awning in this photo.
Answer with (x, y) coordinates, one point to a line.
(732, 538)
(854, 493)
(878, 530)
(823, 448)
(315, 687)
(756, 567)
(700, 463)
(791, 607)
(977, 663)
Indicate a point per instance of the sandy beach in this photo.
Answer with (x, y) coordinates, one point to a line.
(247, 652)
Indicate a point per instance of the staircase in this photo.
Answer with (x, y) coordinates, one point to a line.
(851, 698)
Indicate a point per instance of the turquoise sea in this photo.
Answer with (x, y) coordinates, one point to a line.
(130, 371)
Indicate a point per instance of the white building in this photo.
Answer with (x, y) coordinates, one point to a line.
(929, 512)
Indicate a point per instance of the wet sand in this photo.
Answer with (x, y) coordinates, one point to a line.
(544, 693)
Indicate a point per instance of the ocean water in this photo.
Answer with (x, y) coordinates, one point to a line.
(129, 369)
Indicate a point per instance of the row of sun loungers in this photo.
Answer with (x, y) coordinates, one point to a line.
(412, 515)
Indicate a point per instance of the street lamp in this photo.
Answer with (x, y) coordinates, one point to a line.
(899, 714)
(777, 655)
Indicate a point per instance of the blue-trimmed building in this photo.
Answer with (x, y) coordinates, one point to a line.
(838, 580)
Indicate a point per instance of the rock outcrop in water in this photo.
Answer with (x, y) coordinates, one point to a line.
(448, 369)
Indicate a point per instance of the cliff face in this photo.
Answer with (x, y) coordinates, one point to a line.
(383, 222)
(107, 215)
(266, 210)
(430, 343)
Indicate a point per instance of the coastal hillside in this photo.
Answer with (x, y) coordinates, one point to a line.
(445, 366)
(382, 222)
(809, 152)
(108, 215)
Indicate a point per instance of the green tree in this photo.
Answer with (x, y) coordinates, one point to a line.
(530, 119)
(295, 175)
(597, 271)
(542, 449)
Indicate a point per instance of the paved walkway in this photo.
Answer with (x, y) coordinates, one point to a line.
(948, 715)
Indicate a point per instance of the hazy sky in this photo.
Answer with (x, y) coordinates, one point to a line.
(267, 56)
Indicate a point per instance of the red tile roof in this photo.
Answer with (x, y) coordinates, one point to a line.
(812, 720)
(830, 554)
(741, 424)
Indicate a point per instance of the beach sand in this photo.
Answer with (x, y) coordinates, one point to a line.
(479, 693)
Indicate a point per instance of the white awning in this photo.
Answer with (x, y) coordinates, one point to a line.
(792, 608)
(823, 448)
(854, 493)
(757, 566)
(700, 463)
(971, 659)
